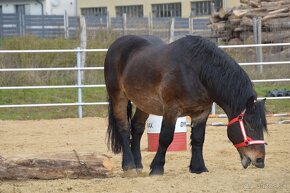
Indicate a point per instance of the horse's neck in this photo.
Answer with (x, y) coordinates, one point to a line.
(230, 94)
(230, 110)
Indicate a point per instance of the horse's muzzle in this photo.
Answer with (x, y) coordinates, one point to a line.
(259, 163)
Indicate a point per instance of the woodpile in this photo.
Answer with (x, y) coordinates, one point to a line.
(55, 166)
(237, 23)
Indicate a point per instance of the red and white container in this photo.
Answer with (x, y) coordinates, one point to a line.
(153, 126)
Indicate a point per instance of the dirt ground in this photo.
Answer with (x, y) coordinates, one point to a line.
(88, 135)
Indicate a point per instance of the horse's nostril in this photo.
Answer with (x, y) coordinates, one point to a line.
(260, 160)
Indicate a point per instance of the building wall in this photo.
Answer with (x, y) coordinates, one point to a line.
(51, 7)
(58, 7)
(111, 4)
(10, 6)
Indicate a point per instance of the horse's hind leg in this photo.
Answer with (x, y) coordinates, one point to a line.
(119, 130)
(137, 130)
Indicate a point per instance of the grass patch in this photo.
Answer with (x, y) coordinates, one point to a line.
(43, 96)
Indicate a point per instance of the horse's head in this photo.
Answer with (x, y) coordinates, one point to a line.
(246, 133)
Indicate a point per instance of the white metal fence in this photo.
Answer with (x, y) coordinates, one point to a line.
(80, 84)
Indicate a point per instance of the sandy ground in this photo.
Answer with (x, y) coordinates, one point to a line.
(88, 135)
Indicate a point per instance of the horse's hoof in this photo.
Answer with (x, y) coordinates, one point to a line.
(131, 173)
(199, 170)
(156, 172)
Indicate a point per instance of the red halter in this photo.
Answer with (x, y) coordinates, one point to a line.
(247, 140)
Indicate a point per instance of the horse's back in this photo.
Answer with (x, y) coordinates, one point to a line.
(120, 52)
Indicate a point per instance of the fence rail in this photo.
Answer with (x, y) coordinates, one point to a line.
(50, 26)
(79, 69)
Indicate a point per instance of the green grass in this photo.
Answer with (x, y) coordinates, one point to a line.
(39, 96)
(274, 106)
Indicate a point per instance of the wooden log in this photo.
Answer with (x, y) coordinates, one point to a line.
(234, 21)
(214, 19)
(246, 21)
(55, 166)
(274, 3)
(253, 14)
(239, 13)
(277, 15)
(224, 13)
(218, 27)
(275, 36)
(278, 23)
(285, 9)
(251, 3)
(238, 29)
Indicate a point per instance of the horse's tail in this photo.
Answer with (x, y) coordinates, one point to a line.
(113, 135)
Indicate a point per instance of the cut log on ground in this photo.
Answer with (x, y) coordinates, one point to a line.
(55, 166)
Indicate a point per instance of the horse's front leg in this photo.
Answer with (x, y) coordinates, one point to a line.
(165, 139)
(197, 138)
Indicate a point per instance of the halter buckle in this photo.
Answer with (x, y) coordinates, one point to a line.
(241, 115)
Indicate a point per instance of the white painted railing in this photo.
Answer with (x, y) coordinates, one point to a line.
(79, 69)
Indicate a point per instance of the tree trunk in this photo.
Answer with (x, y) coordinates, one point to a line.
(56, 166)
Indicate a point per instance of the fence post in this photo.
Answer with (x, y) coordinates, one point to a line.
(257, 30)
(79, 83)
(124, 23)
(108, 22)
(190, 20)
(171, 30)
(213, 108)
(1, 27)
(66, 31)
(83, 41)
(150, 24)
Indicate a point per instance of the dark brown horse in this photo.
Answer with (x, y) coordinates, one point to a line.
(178, 79)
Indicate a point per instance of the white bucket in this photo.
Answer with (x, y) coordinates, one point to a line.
(153, 126)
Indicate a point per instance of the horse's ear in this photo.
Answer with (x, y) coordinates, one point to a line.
(251, 101)
(263, 101)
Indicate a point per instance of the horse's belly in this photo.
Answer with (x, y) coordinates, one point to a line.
(149, 104)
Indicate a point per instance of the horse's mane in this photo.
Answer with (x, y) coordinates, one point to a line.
(224, 79)
(257, 120)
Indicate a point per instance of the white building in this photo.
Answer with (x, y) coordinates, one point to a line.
(39, 7)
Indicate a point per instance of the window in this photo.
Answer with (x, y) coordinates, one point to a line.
(199, 8)
(166, 10)
(218, 4)
(94, 11)
(131, 10)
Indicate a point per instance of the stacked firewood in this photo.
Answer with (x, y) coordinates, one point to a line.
(237, 23)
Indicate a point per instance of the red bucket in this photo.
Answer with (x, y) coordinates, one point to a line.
(153, 130)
